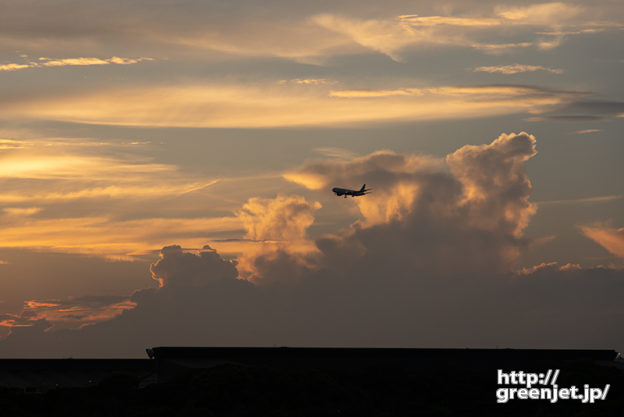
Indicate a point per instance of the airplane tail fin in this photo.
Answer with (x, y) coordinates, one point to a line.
(363, 188)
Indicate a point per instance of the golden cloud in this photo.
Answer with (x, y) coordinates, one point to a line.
(279, 225)
(116, 239)
(517, 68)
(253, 106)
(65, 62)
(72, 313)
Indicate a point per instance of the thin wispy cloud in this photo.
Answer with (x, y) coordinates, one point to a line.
(416, 20)
(585, 200)
(110, 191)
(64, 166)
(262, 105)
(21, 211)
(516, 69)
(610, 238)
(585, 131)
(566, 118)
(498, 48)
(70, 313)
(391, 36)
(338, 153)
(110, 237)
(307, 81)
(44, 62)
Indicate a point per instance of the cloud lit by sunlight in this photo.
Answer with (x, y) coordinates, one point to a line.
(610, 238)
(279, 225)
(283, 105)
(516, 69)
(72, 313)
(72, 62)
(116, 239)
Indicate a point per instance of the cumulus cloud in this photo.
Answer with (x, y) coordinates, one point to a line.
(465, 213)
(548, 267)
(282, 218)
(495, 182)
(280, 226)
(487, 186)
(179, 268)
(378, 304)
(436, 269)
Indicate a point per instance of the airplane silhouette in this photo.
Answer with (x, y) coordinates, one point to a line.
(353, 193)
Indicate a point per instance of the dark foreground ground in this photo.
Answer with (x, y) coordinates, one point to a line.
(432, 386)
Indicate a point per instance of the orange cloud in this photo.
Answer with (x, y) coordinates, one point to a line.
(585, 131)
(478, 194)
(64, 62)
(549, 266)
(498, 48)
(21, 211)
(417, 20)
(71, 313)
(610, 238)
(39, 165)
(517, 68)
(14, 67)
(112, 191)
(117, 239)
(271, 105)
(281, 218)
(391, 35)
(280, 226)
(13, 323)
(547, 14)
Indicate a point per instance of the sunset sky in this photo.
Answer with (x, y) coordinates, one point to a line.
(166, 169)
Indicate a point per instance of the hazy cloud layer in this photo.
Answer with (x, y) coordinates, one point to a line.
(296, 30)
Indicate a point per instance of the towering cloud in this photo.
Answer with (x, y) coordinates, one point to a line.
(284, 218)
(279, 225)
(430, 263)
(178, 268)
(463, 214)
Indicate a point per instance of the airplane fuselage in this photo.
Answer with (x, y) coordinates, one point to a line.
(348, 192)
